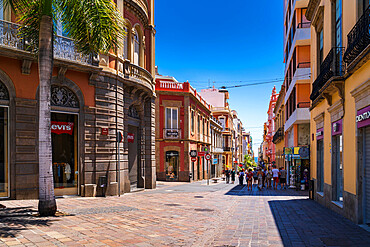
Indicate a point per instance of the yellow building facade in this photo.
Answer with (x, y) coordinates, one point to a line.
(340, 106)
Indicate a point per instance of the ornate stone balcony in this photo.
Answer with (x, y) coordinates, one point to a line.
(64, 48)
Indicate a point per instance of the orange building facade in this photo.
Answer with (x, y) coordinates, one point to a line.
(92, 98)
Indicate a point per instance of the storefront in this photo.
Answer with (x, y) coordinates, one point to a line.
(363, 125)
(172, 165)
(298, 164)
(64, 138)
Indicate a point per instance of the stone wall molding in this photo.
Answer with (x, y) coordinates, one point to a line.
(362, 95)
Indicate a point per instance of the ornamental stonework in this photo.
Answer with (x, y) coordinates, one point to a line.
(63, 96)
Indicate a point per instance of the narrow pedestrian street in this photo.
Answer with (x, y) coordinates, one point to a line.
(182, 214)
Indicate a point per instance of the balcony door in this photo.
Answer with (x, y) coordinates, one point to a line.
(171, 118)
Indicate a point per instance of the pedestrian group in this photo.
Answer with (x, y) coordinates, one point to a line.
(260, 177)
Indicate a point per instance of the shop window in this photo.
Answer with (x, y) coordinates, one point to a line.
(4, 172)
(320, 165)
(64, 138)
(171, 118)
(337, 164)
(172, 165)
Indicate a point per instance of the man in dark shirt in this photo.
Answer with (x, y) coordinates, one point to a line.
(227, 174)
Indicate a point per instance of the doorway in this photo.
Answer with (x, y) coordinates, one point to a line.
(64, 139)
(4, 168)
(172, 165)
(133, 159)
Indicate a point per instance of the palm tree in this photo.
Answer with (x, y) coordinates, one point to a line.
(96, 26)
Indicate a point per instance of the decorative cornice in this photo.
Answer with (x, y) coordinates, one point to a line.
(138, 10)
(312, 6)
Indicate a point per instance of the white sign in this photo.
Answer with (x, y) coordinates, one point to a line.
(171, 85)
(363, 116)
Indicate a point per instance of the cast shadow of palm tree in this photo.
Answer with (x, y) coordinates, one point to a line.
(17, 219)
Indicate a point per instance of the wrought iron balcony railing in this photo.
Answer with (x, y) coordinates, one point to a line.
(358, 38)
(333, 65)
(303, 105)
(172, 133)
(64, 48)
(304, 25)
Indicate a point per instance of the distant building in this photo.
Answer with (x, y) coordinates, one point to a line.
(183, 123)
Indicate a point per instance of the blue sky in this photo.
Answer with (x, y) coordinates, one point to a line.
(228, 42)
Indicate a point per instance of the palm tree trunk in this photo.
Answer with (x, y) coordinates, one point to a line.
(47, 204)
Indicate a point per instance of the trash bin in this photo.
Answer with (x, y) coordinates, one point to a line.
(102, 185)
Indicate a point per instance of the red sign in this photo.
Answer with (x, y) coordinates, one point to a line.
(62, 128)
(193, 159)
(130, 137)
(201, 154)
(208, 156)
(104, 131)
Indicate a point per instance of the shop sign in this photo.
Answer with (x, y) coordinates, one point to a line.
(320, 134)
(201, 154)
(287, 151)
(171, 85)
(337, 127)
(104, 131)
(62, 127)
(363, 117)
(130, 137)
(215, 161)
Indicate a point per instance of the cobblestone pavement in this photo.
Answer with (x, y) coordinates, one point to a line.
(180, 214)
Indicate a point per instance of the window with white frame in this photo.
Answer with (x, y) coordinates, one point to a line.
(171, 118)
(222, 121)
(192, 121)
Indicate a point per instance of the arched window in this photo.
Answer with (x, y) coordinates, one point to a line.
(136, 48)
(63, 96)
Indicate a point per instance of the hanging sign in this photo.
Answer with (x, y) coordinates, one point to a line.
(215, 161)
(62, 127)
(104, 131)
(130, 137)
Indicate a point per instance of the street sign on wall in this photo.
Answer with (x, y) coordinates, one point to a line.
(215, 161)
(193, 159)
(201, 154)
(130, 137)
(193, 153)
(208, 157)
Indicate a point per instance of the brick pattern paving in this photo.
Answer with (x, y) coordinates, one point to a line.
(182, 215)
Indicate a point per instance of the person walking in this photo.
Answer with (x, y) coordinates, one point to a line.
(259, 176)
(263, 177)
(268, 178)
(227, 174)
(283, 174)
(233, 176)
(249, 179)
(255, 178)
(275, 176)
(241, 177)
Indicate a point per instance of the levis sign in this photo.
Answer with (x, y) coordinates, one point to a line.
(62, 127)
(171, 85)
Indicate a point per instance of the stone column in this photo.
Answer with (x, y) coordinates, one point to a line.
(150, 165)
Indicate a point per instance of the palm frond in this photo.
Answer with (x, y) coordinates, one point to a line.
(95, 25)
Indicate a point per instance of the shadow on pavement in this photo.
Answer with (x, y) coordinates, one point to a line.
(303, 222)
(242, 190)
(15, 220)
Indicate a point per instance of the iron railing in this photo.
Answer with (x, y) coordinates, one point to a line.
(358, 38)
(137, 72)
(172, 133)
(333, 65)
(278, 135)
(304, 65)
(304, 25)
(303, 105)
(64, 48)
